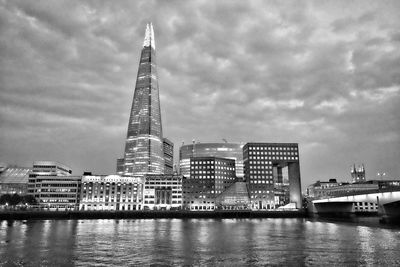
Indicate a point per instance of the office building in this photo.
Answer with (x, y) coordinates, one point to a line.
(220, 150)
(56, 192)
(168, 156)
(111, 192)
(162, 192)
(49, 168)
(144, 140)
(272, 173)
(209, 177)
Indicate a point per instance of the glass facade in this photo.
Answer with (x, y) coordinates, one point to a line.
(144, 141)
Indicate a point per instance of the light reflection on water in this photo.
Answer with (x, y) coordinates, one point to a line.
(196, 242)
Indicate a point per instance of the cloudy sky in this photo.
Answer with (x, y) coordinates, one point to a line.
(324, 74)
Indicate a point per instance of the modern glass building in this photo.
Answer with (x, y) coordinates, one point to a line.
(144, 140)
(220, 150)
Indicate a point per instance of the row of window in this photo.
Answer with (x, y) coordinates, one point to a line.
(212, 167)
(272, 148)
(195, 176)
(273, 153)
(152, 202)
(261, 181)
(273, 158)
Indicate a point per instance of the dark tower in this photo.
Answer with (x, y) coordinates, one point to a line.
(144, 140)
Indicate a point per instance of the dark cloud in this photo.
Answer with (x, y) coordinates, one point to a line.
(324, 74)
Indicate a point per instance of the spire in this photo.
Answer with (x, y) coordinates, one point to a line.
(149, 36)
(353, 168)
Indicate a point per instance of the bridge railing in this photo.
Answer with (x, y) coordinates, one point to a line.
(358, 192)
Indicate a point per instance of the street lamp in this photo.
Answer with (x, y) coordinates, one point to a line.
(381, 174)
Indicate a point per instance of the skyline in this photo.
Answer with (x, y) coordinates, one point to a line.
(324, 75)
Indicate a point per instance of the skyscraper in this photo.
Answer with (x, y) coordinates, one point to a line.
(144, 140)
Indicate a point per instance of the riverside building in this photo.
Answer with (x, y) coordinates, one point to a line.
(162, 192)
(220, 150)
(272, 173)
(14, 179)
(111, 192)
(144, 139)
(209, 177)
(53, 186)
(56, 192)
(49, 168)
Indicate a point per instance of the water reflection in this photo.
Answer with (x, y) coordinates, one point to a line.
(195, 242)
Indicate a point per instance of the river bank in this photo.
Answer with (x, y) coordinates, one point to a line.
(38, 215)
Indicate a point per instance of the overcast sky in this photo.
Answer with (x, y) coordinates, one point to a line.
(324, 74)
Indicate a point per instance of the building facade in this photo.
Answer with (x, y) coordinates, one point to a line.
(319, 188)
(162, 192)
(168, 156)
(56, 192)
(14, 179)
(144, 140)
(111, 192)
(49, 168)
(235, 197)
(358, 174)
(220, 150)
(264, 168)
(209, 177)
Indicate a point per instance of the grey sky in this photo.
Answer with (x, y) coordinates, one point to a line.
(325, 74)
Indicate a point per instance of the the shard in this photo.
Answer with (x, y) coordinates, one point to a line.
(144, 140)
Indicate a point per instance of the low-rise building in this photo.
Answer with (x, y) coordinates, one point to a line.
(235, 197)
(111, 192)
(162, 192)
(318, 189)
(14, 179)
(56, 192)
(209, 177)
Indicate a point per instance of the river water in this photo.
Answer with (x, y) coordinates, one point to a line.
(197, 242)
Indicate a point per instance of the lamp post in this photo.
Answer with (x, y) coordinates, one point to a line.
(381, 174)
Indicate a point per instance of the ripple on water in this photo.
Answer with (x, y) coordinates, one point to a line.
(196, 242)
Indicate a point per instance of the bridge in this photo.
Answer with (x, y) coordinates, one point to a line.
(386, 202)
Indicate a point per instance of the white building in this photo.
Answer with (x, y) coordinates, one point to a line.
(111, 192)
(162, 192)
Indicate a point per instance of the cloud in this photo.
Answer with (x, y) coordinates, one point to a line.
(323, 74)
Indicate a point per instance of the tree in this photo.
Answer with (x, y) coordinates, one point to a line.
(4, 199)
(29, 199)
(15, 200)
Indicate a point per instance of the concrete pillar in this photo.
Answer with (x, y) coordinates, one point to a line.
(294, 184)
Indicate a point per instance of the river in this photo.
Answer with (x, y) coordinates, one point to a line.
(197, 242)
